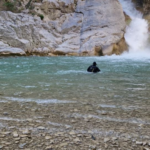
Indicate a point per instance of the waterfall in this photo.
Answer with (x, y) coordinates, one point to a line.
(137, 34)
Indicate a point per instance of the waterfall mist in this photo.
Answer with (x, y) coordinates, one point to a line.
(137, 33)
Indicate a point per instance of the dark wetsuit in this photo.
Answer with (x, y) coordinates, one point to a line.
(93, 69)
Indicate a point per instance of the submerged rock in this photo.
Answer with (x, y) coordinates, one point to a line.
(5, 113)
(15, 134)
(22, 145)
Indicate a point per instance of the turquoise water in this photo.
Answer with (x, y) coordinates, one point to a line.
(120, 81)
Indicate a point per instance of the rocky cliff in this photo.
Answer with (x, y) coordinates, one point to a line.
(144, 7)
(63, 27)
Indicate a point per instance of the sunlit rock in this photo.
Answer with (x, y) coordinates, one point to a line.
(64, 27)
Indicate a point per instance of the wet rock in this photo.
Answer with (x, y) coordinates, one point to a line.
(104, 113)
(45, 143)
(79, 135)
(145, 148)
(125, 139)
(73, 121)
(42, 134)
(72, 133)
(76, 140)
(15, 134)
(141, 125)
(17, 139)
(114, 138)
(5, 133)
(139, 143)
(49, 148)
(16, 142)
(12, 127)
(1, 146)
(26, 131)
(63, 144)
(76, 110)
(144, 143)
(41, 128)
(23, 136)
(52, 142)
(5, 113)
(59, 134)
(89, 131)
(34, 110)
(92, 147)
(93, 138)
(106, 140)
(2, 136)
(46, 115)
(7, 143)
(30, 120)
(90, 116)
(87, 120)
(48, 137)
(3, 142)
(106, 146)
(22, 145)
(67, 127)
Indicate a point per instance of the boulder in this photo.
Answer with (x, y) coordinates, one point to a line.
(7, 50)
(103, 25)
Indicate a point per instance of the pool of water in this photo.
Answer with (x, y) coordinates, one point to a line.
(122, 80)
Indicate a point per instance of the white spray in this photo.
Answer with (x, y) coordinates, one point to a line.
(137, 32)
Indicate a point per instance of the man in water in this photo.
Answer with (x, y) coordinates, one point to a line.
(93, 68)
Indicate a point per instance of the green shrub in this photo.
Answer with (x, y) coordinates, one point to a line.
(28, 4)
(10, 5)
(33, 14)
(14, 5)
(41, 16)
(31, 7)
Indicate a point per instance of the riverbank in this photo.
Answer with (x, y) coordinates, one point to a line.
(69, 125)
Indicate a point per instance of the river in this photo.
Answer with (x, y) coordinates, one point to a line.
(122, 80)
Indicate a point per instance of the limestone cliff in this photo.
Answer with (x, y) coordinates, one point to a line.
(69, 27)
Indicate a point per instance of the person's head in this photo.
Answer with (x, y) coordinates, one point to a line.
(94, 64)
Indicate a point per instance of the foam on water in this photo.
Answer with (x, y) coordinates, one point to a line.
(129, 120)
(12, 119)
(39, 101)
(70, 71)
(120, 107)
(137, 33)
(58, 124)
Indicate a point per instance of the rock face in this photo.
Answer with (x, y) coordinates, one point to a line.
(144, 7)
(72, 27)
(7, 50)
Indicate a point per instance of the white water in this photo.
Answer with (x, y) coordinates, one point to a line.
(137, 33)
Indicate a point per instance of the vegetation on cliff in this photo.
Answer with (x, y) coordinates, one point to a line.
(11, 5)
(143, 5)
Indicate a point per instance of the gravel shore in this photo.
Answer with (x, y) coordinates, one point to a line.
(73, 126)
